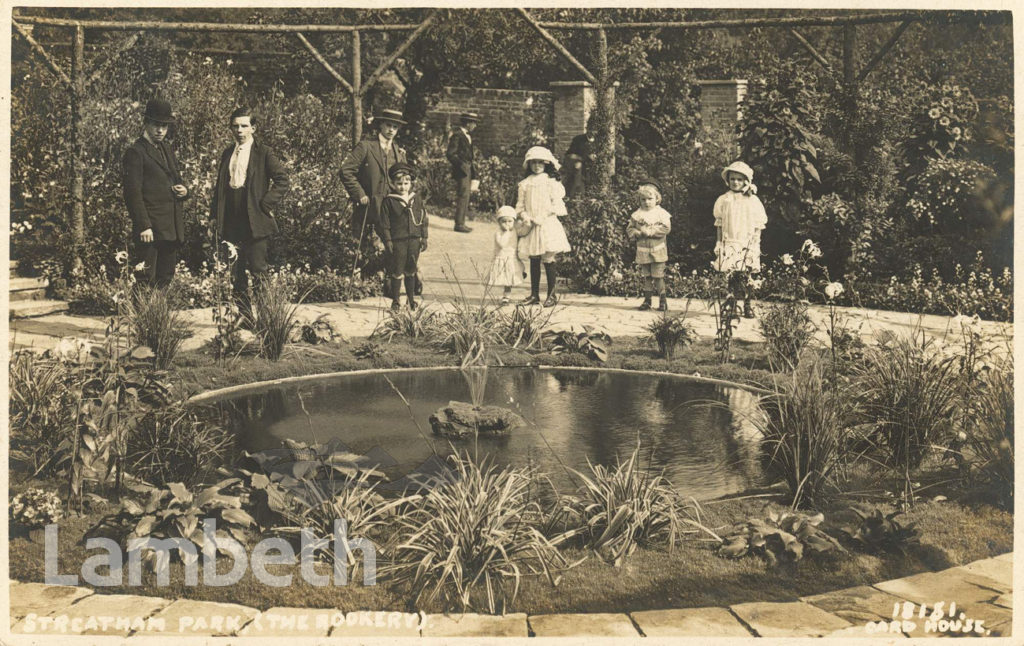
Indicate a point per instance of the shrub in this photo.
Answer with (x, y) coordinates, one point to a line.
(941, 126)
(596, 229)
(878, 532)
(155, 323)
(477, 531)
(787, 330)
(806, 434)
(617, 509)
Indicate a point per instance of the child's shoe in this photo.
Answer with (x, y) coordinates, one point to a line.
(532, 299)
(646, 305)
(396, 306)
(504, 300)
(662, 304)
(551, 300)
(413, 304)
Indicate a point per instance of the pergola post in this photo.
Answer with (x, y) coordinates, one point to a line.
(849, 84)
(357, 88)
(605, 96)
(77, 144)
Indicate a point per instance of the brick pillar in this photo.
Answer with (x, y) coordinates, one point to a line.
(719, 104)
(574, 101)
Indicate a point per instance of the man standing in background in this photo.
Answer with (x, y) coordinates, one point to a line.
(153, 193)
(460, 156)
(250, 182)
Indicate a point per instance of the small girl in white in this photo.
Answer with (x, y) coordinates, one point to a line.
(540, 203)
(505, 268)
(649, 226)
(739, 221)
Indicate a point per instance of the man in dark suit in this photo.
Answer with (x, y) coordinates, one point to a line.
(364, 171)
(153, 193)
(578, 160)
(251, 180)
(460, 156)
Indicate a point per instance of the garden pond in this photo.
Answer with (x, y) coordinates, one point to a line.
(699, 433)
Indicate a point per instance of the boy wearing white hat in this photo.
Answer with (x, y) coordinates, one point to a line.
(739, 220)
(540, 202)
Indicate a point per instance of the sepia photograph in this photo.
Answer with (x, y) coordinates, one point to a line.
(396, 323)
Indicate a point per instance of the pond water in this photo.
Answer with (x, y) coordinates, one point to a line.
(699, 433)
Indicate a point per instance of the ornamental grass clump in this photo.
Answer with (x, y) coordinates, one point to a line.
(469, 541)
(156, 323)
(989, 451)
(273, 317)
(909, 394)
(176, 444)
(617, 509)
(669, 332)
(807, 434)
(41, 409)
(410, 323)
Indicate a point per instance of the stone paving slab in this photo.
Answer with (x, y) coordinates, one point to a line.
(583, 625)
(955, 584)
(473, 625)
(689, 622)
(1004, 600)
(188, 617)
(857, 605)
(995, 569)
(42, 599)
(788, 619)
(376, 624)
(289, 622)
(97, 614)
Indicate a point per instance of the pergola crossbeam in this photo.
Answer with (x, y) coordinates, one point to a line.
(559, 47)
(101, 66)
(808, 21)
(157, 25)
(38, 49)
(315, 53)
(394, 56)
(880, 54)
(812, 51)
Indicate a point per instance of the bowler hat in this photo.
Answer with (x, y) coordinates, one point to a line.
(393, 116)
(159, 111)
(401, 168)
(470, 116)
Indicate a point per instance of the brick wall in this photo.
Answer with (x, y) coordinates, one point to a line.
(719, 103)
(504, 114)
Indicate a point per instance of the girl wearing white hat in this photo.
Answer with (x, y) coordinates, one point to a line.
(541, 201)
(739, 220)
(505, 266)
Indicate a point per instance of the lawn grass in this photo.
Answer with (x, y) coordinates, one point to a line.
(690, 576)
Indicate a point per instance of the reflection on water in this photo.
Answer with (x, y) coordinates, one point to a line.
(700, 434)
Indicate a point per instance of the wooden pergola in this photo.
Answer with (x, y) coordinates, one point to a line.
(601, 77)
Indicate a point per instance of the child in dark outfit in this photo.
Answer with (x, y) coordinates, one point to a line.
(403, 227)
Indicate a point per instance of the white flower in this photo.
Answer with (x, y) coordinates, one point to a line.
(812, 249)
(786, 259)
(232, 250)
(755, 282)
(141, 266)
(833, 289)
(616, 275)
(121, 257)
(804, 281)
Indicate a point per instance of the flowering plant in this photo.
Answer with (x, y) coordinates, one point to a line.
(35, 508)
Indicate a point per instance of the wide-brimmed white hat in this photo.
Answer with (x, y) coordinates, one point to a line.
(539, 153)
(738, 167)
(505, 213)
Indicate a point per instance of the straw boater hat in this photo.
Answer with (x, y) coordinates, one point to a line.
(470, 116)
(738, 167)
(539, 153)
(506, 213)
(394, 116)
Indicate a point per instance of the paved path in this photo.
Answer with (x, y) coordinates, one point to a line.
(982, 591)
(455, 267)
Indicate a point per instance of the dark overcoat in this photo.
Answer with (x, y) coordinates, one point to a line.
(460, 155)
(147, 183)
(364, 173)
(266, 181)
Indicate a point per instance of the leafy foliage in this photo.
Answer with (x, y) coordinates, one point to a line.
(578, 339)
(319, 330)
(668, 332)
(785, 537)
(176, 443)
(878, 532)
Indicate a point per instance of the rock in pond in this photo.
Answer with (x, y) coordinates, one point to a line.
(460, 420)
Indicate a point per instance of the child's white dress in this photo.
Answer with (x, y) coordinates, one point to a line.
(542, 199)
(505, 268)
(741, 218)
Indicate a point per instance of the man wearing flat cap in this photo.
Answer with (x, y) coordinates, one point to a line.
(364, 172)
(460, 156)
(153, 194)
